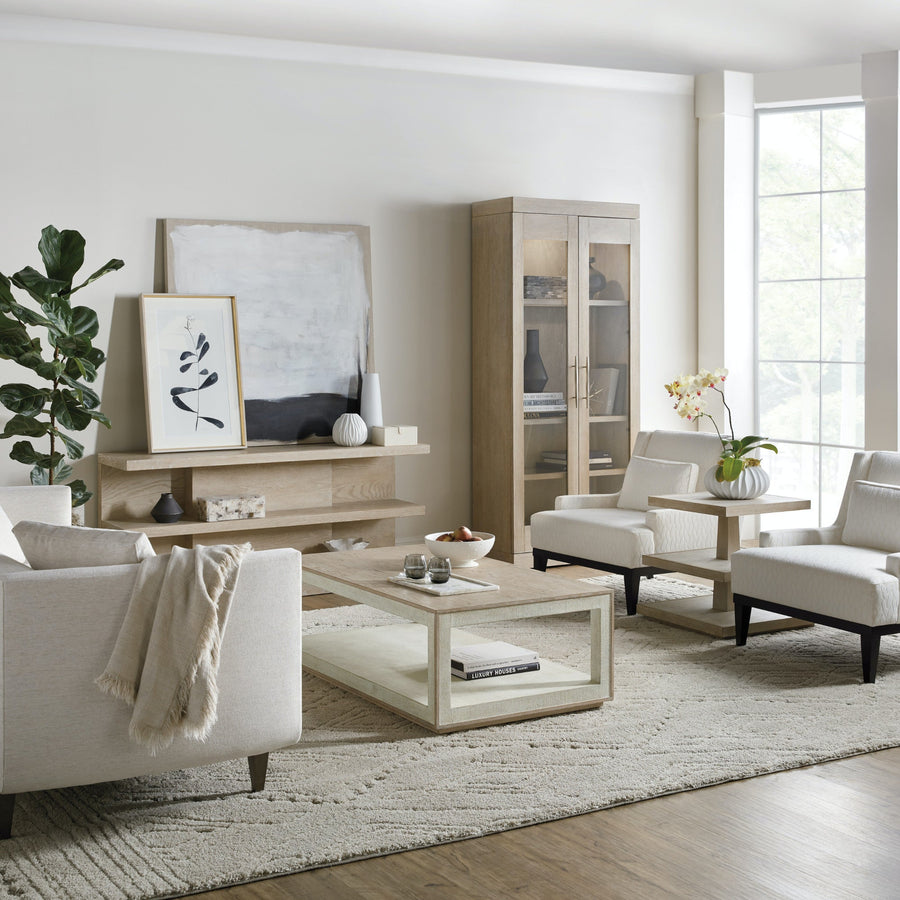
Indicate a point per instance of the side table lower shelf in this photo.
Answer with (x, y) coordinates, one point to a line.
(711, 614)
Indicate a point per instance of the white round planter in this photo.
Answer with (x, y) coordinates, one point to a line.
(752, 482)
(349, 430)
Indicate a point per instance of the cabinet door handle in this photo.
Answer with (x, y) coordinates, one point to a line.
(575, 367)
(587, 383)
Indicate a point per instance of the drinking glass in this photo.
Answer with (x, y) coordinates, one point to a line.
(414, 565)
(439, 569)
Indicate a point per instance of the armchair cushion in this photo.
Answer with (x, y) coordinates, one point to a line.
(66, 547)
(619, 536)
(645, 476)
(837, 580)
(873, 516)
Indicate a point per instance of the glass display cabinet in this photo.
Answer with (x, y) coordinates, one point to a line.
(554, 356)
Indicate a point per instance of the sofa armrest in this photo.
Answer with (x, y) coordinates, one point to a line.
(796, 537)
(59, 629)
(676, 529)
(586, 501)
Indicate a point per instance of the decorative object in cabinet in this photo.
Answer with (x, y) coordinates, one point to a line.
(557, 280)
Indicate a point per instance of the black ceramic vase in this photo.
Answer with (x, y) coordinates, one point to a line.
(535, 373)
(167, 509)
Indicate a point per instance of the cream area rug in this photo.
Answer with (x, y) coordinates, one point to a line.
(688, 711)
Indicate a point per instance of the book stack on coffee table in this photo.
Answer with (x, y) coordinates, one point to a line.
(490, 659)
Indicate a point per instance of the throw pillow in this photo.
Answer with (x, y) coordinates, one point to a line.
(65, 546)
(645, 476)
(9, 546)
(873, 516)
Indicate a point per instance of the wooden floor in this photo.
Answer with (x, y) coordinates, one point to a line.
(825, 832)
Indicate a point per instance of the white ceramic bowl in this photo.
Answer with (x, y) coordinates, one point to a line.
(462, 554)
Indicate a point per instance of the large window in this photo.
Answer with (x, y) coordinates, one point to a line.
(811, 300)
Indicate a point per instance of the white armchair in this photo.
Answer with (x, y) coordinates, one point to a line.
(846, 576)
(612, 532)
(59, 629)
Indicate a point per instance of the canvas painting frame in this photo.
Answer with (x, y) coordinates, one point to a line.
(192, 372)
(304, 293)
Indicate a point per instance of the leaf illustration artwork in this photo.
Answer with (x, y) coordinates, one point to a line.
(192, 359)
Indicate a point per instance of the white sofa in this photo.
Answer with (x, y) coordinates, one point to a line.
(59, 627)
(612, 532)
(846, 575)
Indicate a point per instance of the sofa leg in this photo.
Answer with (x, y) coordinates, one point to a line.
(258, 767)
(871, 643)
(632, 587)
(741, 623)
(7, 807)
(540, 558)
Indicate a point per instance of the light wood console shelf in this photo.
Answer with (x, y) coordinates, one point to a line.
(313, 492)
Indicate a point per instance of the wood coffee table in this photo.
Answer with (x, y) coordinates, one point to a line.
(405, 667)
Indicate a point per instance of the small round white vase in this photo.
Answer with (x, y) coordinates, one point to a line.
(751, 483)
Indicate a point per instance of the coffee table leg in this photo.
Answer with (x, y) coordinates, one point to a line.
(439, 670)
(601, 641)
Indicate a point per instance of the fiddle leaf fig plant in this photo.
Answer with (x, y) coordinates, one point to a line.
(64, 367)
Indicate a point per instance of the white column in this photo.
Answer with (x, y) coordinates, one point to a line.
(881, 92)
(723, 104)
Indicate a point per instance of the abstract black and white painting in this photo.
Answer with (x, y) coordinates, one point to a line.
(304, 300)
(192, 372)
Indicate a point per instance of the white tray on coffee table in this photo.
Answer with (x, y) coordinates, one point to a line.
(405, 667)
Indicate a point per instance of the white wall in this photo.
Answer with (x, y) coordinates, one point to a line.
(109, 140)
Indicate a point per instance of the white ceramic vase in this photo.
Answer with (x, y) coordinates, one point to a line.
(349, 430)
(370, 401)
(751, 483)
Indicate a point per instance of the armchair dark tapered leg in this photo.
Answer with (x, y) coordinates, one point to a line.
(741, 623)
(258, 767)
(540, 558)
(871, 643)
(632, 588)
(7, 807)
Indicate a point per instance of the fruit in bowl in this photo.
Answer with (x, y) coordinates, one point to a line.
(462, 546)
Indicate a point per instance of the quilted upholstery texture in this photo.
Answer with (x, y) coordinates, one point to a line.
(617, 536)
(645, 477)
(873, 516)
(836, 580)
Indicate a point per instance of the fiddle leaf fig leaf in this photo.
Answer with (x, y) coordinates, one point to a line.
(74, 450)
(24, 452)
(111, 266)
(38, 286)
(62, 253)
(24, 399)
(66, 409)
(27, 426)
(80, 493)
(84, 321)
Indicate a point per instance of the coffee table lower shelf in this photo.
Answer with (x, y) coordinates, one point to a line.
(388, 665)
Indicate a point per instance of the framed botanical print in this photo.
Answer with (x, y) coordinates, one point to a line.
(192, 372)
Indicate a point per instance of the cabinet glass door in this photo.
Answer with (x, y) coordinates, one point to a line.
(549, 303)
(606, 271)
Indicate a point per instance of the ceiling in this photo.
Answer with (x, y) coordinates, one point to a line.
(677, 36)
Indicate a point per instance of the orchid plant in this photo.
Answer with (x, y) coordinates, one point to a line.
(690, 392)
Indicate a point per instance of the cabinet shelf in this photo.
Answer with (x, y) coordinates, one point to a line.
(600, 473)
(555, 304)
(313, 492)
(280, 518)
(546, 420)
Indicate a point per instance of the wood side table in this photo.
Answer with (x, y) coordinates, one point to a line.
(698, 613)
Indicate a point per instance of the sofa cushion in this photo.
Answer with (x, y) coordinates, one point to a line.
(873, 516)
(836, 580)
(9, 545)
(64, 546)
(617, 536)
(884, 468)
(646, 476)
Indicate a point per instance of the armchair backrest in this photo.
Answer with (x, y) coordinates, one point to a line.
(50, 503)
(698, 447)
(882, 466)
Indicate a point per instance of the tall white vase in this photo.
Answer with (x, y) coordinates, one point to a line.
(370, 401)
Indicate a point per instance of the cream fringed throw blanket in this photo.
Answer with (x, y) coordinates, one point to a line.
(166, 657)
